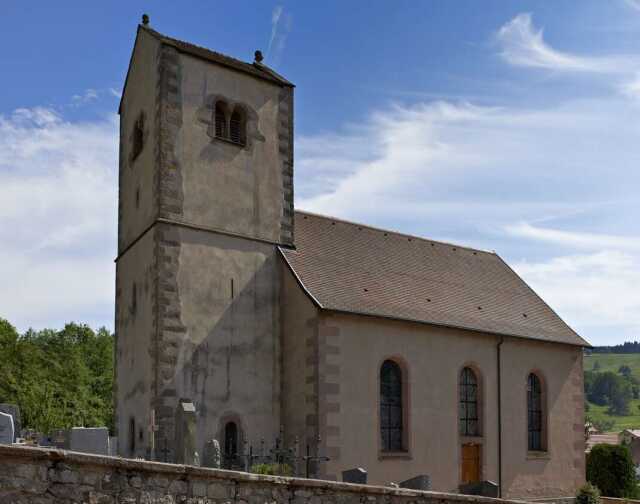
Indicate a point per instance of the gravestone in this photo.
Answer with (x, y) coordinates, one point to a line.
(357, 475)
(211, 456)
(113, 446)
(420, 482)
(185, 442)
(483, 488)
(7, 432)
(89, 440)
(14, 411)
(60, 438)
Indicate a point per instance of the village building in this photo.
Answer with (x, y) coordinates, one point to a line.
(401, 355)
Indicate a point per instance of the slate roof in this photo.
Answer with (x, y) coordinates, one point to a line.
(353, 268)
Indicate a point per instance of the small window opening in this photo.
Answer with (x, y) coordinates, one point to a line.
(391, 414)
(138, 137)
(535, 421)
(469, 425)
(237, 127)
(138, 197)
(134, 299)
(221, 120)
(132, 435)
(230, 440)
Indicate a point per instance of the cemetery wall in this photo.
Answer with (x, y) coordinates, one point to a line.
(36, 475)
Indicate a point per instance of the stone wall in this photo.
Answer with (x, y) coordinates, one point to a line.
(39, 476)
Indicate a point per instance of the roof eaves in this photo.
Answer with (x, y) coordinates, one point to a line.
(299, 280)
(451, 326)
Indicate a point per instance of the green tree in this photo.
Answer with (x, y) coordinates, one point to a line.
(625, 371)
(59, 379)
(611, 469)
(611, 389)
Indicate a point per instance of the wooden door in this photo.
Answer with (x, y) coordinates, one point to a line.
(470, 463)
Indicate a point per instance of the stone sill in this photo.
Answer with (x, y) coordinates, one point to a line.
(401, 455)
(538, 455)
(229, 141)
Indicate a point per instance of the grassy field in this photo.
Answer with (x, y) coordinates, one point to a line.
(611, 362)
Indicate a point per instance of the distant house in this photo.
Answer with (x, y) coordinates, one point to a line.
(631, 437)
(594, 439)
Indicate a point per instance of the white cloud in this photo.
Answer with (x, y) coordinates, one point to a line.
(478, 175)
(524, 45)
(592, 291)
(575, 240)
(634, 4)
(632, 87)
(58, 199)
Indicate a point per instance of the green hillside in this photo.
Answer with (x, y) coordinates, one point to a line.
(611, 362)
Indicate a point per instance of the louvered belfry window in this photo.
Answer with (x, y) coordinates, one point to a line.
(236, 127)
(221, 120)
(534, 412)
(469, 403)
(391, 420)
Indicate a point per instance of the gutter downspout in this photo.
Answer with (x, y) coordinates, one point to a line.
(499, 376)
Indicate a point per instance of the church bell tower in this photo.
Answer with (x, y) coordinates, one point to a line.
(205, 200)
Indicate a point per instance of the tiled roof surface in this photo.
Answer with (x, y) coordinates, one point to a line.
(354, 268)
(258, 70)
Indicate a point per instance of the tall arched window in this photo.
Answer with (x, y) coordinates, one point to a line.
(535, 423)
(237, 126)
(230, 440)
(469, 425)
(221, 120)
(391, 419)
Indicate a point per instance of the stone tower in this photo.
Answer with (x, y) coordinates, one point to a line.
(205, 199)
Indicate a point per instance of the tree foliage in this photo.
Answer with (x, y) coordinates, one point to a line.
(59, 379)
(609, 389)
(611, 469)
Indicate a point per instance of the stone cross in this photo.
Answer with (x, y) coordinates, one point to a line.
(211, 456)
(7, 432)
(185, 442)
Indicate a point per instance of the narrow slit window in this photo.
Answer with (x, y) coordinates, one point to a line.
(221, 120)
(237, 127)
(138, 137)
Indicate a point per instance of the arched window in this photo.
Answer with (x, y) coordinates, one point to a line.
(469, 403)
(237, 132)
(535, 423)
(221, 120)
(138, 137)
(230, 440)
(391, 414)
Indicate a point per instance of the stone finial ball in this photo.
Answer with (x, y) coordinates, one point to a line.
(258, 56)
(145, 19)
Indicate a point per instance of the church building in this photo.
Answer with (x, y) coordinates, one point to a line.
(395, 353)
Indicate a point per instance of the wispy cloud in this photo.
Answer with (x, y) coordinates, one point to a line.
(576, 240)
(481, 175)
(634, 4)
(524, 45)
(281, 23)
(58, 197)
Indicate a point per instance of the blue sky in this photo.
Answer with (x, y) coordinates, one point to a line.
(509, 126)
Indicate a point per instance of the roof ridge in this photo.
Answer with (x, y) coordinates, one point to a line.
(255, 69)
(375, 228)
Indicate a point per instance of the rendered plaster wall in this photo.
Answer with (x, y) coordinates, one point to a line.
(137, 175)
(33, 475)
(432, 359)
(135, 336)
(299, 362)
(246, 190)
(222, 349)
